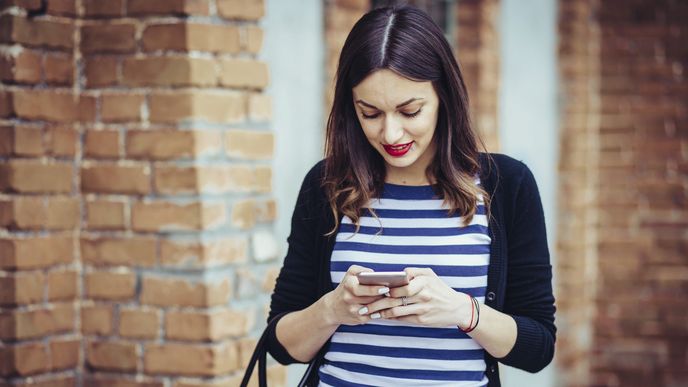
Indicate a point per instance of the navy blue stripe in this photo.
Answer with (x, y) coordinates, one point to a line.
(406, 192)
(409, 353)
(409, 374)
(413, 249)
(335, 381)
(416, 214)
(389, 330)
(440, 270)
(397, 231)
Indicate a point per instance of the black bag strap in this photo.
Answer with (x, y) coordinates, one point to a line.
(260, 356)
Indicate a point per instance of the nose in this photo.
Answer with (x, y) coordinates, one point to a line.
(392, 130)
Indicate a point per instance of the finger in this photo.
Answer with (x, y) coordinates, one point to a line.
(413, 272)
(369, 290)
(414, 287)
(355, 269)
(390, 302)
(400, 311)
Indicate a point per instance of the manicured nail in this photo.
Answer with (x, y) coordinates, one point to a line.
(375, 315)
(383, 290)
(363, 310)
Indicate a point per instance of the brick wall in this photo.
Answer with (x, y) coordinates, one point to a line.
(622, 270)
(477, 50)
(135, 180)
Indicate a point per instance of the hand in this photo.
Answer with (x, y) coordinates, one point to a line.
(430, 302)
(346, 303)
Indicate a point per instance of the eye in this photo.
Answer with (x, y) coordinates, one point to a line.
(370, 116)
(411, 115)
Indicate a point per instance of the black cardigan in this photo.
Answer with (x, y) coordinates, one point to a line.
(519, 280)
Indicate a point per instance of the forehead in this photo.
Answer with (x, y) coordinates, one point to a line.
(386, 89)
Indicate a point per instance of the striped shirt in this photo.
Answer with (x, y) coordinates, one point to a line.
(413, 230)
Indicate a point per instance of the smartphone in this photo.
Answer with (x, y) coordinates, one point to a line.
(391, 279)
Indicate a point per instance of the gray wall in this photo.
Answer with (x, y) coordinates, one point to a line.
(528, 117)
(294, 50)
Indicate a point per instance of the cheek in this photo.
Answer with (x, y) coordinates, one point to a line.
(422, 129)
(370, 129)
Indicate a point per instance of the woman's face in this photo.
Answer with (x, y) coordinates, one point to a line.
(398, 117)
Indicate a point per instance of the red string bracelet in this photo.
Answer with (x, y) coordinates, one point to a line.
(472, 312)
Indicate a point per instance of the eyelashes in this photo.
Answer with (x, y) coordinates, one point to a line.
(376, 115)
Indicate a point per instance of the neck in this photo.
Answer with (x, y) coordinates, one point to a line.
(413, 174)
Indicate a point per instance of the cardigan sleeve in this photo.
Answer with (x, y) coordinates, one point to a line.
(296, 285)
(528, 297)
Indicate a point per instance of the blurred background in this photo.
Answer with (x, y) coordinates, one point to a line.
(151, 152)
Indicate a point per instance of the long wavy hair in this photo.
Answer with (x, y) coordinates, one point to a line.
(404, 40)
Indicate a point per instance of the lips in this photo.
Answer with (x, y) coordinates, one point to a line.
(397, 150)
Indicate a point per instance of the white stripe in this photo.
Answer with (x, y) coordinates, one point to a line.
(397, 204)
(464, 239)
(368, 221)
(405, 341)
(452, 282)
(375, 380)
(407, 363)
(408, 324)
(411, 260)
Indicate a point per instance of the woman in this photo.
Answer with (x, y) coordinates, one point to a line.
(404, 187)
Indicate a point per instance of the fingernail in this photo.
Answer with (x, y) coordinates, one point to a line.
(383, 290)
(363, 310)
(375, 315)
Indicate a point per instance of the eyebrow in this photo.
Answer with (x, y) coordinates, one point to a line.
(362, 102)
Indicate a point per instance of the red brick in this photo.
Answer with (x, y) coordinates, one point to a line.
(102, 144)
(244, 214)
(259, 107)
(203, 254)
(207, 326)
(30, 5)
(112, 355)
(21, 140)
(110, 178)
(96, 319)
(243, 73)
(103, 285)
(6, 104)
(59, 69)
(61, 140)
(23, 359)
(241, 9)
(62, 285)
(253, 39)
(65, 353)
(108, 38)
(35, 252)
(179, 292)
(96, 8)
(249, 144)
(35, 177)
(62, 213)
(191, 36)
(36, 32)
(101, 71)
(25, 67)
(141, 323)
(122, 380)
(171, 144)
(21, 325)
(130, 251)
(121, 107)
(192, 360)
(22, 288)
(54, 106)
(171, 179)
(175, 7)
(106, 215)
(169, 71)
(212, 106)
(61, 7)
(166, 216)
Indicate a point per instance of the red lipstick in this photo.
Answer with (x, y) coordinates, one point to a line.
(397, 150)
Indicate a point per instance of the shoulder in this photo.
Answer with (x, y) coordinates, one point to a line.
(505, 172)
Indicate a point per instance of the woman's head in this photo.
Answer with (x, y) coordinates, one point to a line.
(393, 56)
